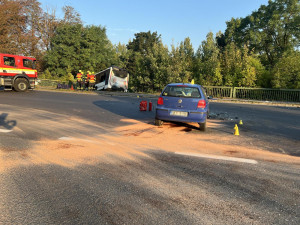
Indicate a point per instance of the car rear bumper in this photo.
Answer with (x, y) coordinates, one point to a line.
(193, 116)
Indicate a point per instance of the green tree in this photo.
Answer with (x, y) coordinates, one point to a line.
(80, 48)
(46, 75)
(231, 64)
(271, 30)
(248, 74)
(140, 60)
(263, 78)
(176, 65)
(65, 50)
(241, 67)
(207, 67)
(181, 62)
(144, 42)
(287, 71)
(186, 55)
(160, 66)
(98, 52)
(122, 54)
(152, 69)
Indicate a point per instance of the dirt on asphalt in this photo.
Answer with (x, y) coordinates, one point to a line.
(133, 140)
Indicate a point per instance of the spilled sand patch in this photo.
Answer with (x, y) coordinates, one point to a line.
(133, 140)
(67, 153)
(171, 138)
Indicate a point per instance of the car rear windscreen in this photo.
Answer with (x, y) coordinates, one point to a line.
(182, 91)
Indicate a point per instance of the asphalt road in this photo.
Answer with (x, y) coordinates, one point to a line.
(154, 187)
(276, 128)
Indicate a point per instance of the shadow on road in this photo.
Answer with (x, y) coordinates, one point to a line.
(129, 108)
(8, 124)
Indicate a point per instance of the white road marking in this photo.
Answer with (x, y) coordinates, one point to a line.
(65, 138)
(219, 157)
(5, 131)
(90, 141)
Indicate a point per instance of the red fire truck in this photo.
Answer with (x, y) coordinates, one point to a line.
(17, 72)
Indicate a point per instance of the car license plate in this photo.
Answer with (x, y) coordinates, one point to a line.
(178, 113)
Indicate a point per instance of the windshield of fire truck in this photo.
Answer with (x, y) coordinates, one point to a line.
(29, 63)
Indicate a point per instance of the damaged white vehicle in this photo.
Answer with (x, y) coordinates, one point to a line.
(112, 78)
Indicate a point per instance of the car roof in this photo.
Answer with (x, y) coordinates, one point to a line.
(184, 84)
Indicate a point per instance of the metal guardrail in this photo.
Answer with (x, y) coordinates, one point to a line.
(219, 91)
(267, 94)
(264, 94)
(48, 83)
(54, 84)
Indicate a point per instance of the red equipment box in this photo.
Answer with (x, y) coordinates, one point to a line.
(143, 106)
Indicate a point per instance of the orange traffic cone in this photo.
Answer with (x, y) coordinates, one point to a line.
(72, 88)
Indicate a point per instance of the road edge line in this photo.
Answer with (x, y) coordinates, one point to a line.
(226, 158)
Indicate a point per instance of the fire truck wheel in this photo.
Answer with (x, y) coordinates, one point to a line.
(21, 84)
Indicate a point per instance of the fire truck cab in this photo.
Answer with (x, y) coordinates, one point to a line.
(17, 72)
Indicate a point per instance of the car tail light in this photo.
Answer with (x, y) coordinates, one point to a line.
(201, 104)
(160, 101)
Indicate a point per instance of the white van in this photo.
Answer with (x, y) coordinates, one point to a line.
(112, 78)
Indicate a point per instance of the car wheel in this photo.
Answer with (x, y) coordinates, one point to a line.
(21, 84)
(158, 122)
(202, 126)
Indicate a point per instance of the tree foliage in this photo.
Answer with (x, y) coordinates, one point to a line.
(259, 50)
(207, 64)
(240, 67)
(14, 26)
(79, 48)
(142, 59)
(287, 71)
(270, 31)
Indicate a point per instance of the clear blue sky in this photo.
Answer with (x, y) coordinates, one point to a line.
(173, 19)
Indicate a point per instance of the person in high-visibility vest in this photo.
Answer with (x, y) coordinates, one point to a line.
(79, 79)
(92, 81)
(87, 80)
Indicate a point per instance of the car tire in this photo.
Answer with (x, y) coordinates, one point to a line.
(21, 84)
(202, 126)
(158, 122)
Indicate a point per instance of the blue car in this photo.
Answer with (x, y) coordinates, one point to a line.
(182, 103)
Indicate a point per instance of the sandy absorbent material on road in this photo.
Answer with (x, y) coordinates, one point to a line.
(133, 140)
